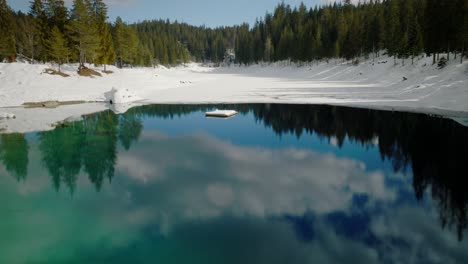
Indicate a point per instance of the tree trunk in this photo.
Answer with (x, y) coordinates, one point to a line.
(104, 67)
(394, 59)
(448, 52)
(412, 59)
(373, 53)
(32, 55)
(462, 53)
(433, 58)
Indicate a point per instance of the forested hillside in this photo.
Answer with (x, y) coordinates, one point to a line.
(402, 28)
(171, 43)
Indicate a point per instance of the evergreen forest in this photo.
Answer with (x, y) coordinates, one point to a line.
(403, 29)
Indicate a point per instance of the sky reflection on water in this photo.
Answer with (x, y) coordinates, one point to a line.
(162, 183)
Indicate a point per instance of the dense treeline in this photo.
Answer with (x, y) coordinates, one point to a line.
(172, 43)
(51, 32)
(409, 141)
(402, 28)
(405, 28)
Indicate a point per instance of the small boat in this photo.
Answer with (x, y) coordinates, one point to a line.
(221, 113)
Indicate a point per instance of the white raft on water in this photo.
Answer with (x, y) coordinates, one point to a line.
(221, 113)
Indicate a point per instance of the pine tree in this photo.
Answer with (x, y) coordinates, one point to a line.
(24, 35)
(40, 27)
(244, 51)
(58, 47)
(57, 16)
(286, 43)
(432, 27)
(404, 47)
(258, 43)
(100, 11)
(464, 33)
(165, 57)
(144, 56)
(171, 54)
(56, 13)
(126, 43)
(394, 37)
(342, 31)
(185, 54)
(106, 53)
(268, 53)
(84, 31)
(316, 44)
(376, 30)
(7, 32)
(414, 31)
(381, 29)
(460, 20)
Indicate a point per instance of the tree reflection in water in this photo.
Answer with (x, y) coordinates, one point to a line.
(14, 154)
(435, 149)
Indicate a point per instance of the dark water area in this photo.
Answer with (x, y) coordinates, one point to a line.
(274, 184)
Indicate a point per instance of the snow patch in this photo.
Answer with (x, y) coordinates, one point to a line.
(4, 115)
(430, 77)
(372, 84)
(120, 96)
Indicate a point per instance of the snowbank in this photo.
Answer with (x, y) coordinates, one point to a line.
(43, 119)
(421, 87)
(4, 115)
(120, 96)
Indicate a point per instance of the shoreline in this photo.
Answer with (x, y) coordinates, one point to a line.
(28, 120)
(419, 88)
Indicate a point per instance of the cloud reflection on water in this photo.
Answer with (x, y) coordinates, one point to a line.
(198, 192)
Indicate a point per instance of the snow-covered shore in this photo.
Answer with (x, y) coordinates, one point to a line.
(421, 87)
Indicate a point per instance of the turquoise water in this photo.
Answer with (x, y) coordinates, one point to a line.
(274, 184)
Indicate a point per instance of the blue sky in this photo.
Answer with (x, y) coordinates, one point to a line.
(211, 13)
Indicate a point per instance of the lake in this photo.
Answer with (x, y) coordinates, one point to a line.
(274, 184)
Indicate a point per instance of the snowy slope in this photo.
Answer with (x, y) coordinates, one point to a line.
(427, 89)
(378, 84)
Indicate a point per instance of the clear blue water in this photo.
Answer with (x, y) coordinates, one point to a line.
(274, 184)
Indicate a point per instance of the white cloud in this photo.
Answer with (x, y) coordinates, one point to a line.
(200, 180)
(242, 180)
(421, 234)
